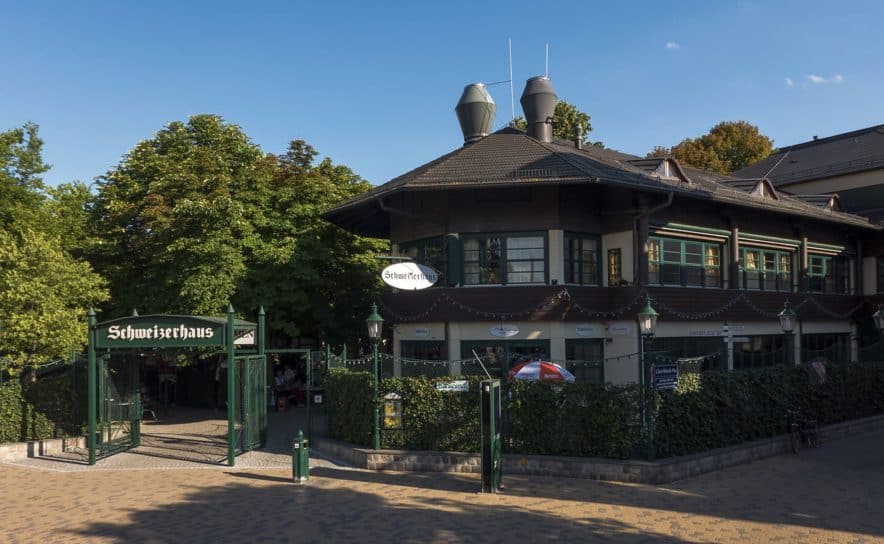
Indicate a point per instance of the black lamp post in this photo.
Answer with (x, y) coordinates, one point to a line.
(647, 328)
(787, 321)
(374, 323)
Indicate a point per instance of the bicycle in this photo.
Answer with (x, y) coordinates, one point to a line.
(802, 431)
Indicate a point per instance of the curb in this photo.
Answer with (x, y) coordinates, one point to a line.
(634, 471)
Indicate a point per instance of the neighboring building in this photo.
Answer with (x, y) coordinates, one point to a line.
(547, 248)
(848, 169)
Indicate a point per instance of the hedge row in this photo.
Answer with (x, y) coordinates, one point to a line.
(34, 410)
(708, 410)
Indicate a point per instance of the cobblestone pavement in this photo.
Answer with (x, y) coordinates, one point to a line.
(832, 494)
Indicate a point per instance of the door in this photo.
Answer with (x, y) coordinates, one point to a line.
(119, 404)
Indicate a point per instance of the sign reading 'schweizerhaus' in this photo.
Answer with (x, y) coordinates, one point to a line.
(409, 276)
(161, 331)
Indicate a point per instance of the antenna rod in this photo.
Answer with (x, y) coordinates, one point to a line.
(512, 92)
(547, 60)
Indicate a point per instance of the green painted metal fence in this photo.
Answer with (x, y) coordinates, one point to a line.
(251, 402)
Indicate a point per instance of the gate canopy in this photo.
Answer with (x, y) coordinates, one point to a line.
(171, 331)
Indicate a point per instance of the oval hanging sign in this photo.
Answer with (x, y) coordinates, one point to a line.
(504, 330)
(409, 276)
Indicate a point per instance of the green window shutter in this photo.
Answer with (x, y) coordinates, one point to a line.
(454, 250)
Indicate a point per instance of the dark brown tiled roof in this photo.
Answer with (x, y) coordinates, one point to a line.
(509, 157)
(821, 201)
(846, 153)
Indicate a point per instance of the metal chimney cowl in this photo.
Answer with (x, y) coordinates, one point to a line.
(475, 111)
(539, 102)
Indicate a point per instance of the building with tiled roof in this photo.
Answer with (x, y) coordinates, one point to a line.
(547, 248)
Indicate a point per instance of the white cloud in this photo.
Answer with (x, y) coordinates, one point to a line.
(673, 45)
(818, 80)
(789, 82)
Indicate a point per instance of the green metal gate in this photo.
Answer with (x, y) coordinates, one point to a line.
(119, 405)
(251, 402)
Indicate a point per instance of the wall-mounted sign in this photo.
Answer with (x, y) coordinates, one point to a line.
(409, 276)
(664, 376)
(504, 330)
(245, 337)
(621, 329)
(421, 332)
(584, 329)
(457, 386)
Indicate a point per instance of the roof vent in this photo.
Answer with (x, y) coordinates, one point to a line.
(539, 102)
(475, 111)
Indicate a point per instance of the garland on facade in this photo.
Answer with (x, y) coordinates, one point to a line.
(626, 310)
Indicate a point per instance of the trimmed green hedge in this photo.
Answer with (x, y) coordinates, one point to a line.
(37, 410)
(708, 410)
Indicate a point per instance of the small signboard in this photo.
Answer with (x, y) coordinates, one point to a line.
(584, 329)
(421, 332)
(409, 276)
(504, 330)
(664, 376)
(457, 386)
(621, 329)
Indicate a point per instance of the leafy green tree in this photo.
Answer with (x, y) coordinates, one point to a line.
(21, 187)
(44, 294)
(177, 217)
(317, 279)
(44, 291)
(566, 118)
(198, 216)
(728, 147)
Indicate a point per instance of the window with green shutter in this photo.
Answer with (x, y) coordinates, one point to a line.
(685, 263)
(765, 270)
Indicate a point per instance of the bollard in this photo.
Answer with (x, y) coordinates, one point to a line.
(300, 459)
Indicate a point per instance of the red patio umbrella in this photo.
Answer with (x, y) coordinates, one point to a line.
(541, 370)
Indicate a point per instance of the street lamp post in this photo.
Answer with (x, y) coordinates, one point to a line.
(374, 323)
(787, 321)
(647, 325)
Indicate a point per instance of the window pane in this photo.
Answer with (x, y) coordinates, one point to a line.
(713, 277)
(654, 273)
(671, 274)
(653, 250)
(693, 253)
(693, 276)
(713, 255)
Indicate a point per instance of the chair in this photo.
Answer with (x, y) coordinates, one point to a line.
(146, 407)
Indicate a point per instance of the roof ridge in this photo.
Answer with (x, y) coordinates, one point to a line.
(834, 137)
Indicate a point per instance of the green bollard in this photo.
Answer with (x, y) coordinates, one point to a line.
(300, 459)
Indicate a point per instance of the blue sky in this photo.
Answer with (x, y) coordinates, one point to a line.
(374, 86)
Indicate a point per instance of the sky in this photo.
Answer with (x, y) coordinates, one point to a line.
(373, 85)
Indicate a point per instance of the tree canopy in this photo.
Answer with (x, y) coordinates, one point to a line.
(198, 216)
(727, 147)
(44, 288)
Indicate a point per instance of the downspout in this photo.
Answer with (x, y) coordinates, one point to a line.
(646, 213)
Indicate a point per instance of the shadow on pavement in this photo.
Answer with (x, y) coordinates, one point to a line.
(263, 510)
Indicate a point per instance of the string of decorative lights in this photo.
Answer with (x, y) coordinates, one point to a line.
(565, 296)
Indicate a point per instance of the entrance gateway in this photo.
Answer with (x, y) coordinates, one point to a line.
(115, 409)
